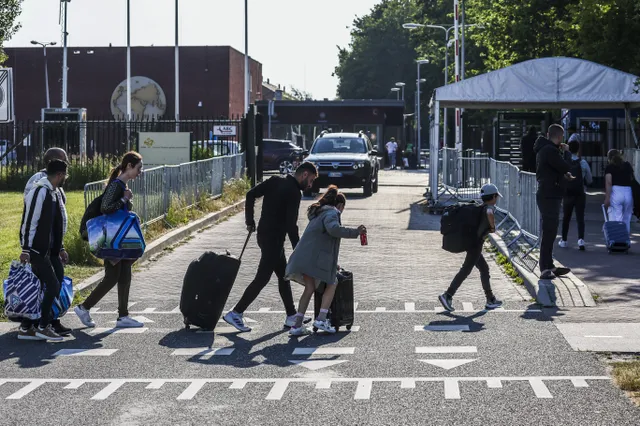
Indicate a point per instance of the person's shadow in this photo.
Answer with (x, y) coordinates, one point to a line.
(459, 320)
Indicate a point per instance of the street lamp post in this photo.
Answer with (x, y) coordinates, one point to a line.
(65, 68)
(46, 66)
(397, 90)
(246, 56)
(418, 118)
(401, 85)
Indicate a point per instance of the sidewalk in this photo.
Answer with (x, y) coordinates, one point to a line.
(615, 278)
(403, 265)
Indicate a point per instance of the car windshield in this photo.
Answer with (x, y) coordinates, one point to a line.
(339, 145)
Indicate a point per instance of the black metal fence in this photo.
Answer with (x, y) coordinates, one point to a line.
(95, 145)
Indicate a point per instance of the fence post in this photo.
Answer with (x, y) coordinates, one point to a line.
(250, 147)
(144, 199)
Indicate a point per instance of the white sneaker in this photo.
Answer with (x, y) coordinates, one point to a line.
(128, 322)
(84, 316)
(581, 244)
(291, 321)
(236, 320)
(324, 325)
(299, 331)
(562, 244)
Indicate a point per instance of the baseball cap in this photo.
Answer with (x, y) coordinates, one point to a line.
(490, 189)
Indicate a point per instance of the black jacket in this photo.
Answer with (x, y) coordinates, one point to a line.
(44, 222)
(280, 208)
(113, 198)
(528, 154)
(551, 166)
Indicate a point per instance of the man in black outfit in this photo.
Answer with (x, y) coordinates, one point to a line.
(552, 170)
(279, 218)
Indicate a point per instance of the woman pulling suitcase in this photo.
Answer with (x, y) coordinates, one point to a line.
(315, 258)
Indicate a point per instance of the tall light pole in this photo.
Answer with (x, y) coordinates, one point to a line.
(128, 65)
(177, 70)
(246, 56)
(401, 85)
(397, 90)
(46, 66)
(419, 62)
(65, 103)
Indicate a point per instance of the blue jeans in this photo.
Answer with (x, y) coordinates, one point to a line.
(392, 158)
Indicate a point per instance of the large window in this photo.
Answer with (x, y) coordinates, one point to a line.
(340, 145)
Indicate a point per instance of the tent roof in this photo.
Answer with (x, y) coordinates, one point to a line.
(557, 82)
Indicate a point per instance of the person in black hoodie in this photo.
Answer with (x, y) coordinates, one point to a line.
(553, 162)
(279, 218)
(44, 223)
(528, 154)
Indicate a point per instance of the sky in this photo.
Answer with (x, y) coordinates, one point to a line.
(295, 40)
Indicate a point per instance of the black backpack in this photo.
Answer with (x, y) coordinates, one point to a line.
(93, 210)
(576, 186)
(459, 226)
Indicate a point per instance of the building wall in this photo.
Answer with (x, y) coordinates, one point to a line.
(207, 74)
(236, 81)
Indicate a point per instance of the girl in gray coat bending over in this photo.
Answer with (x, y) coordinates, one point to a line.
(315, 258)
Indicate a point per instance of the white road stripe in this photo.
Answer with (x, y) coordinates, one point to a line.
(355, 306)
(324, 351)
(387, 311)
(26, 390)
(156, 384)
(407, 384)
(74, 384)
(114, 330)
(131, 304)
(494, 384)
(148, 311)
(192, 390)
(467, 307)
(264, 310)
(108, 390)
(539, 388)
(175, 310)
(381, 309)
(277, 391)
(453, 327)
(238, 384)
(446, 349)
(580, 383)
(410, 307)
(85, 352)
(363, 391)
(604, 337)
(202, 351)
(323, 384)
(451, 389)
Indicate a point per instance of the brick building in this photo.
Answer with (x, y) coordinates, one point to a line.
(211, 80)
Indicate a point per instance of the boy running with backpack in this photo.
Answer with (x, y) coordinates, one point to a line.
(489, 194)
(575, 195)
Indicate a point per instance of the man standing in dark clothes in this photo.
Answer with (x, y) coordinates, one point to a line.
(279, 218)
(553, 162)
(528, 155)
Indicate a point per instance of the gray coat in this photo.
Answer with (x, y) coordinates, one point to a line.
(316, 255)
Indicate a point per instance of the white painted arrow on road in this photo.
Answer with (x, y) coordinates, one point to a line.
(139, 319)
(315, 365)
(447, 364)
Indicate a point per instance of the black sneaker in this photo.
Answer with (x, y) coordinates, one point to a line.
(60, 329)
(547, 275)
(493, 303)
(446, 302)
(561, 271)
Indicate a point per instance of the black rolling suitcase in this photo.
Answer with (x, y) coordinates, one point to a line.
(206, 287)
(341, 311)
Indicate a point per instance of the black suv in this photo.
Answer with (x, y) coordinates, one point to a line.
(347, 160)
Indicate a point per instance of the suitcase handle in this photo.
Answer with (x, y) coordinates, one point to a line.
(604, 212)
(245, 244)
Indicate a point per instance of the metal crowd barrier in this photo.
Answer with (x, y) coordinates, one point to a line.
(155, 188)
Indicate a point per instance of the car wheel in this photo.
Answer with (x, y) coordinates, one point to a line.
(375, 183)
(368, 188)
(286, 167)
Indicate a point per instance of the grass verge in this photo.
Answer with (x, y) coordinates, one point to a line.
(506, 265)
(626, 374)
(82, 263)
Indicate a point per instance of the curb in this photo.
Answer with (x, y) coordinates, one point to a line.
(570, 291)
(168, 240)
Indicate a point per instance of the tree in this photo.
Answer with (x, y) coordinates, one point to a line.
(380, 54)
(300, 95)
(9, 11)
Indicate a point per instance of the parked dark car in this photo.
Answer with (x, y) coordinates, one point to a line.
(280, 155)
(347, 160)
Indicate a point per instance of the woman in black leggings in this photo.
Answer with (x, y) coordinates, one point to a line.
(116, 196)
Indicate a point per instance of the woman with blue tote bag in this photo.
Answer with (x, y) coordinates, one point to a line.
(117, 196)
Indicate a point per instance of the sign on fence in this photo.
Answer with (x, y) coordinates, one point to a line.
(162, 148)
(6, 95)
(226, 130)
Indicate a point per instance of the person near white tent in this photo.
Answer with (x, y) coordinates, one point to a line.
(618, 198)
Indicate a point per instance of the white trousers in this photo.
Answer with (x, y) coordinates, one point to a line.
(621, 208)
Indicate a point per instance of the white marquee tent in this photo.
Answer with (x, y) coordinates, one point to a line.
(544, 83)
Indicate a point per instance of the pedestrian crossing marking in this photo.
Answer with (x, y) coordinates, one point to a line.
(364, 386)
(467, 307)
(409, 306)
(324, 351)
(452, 327)
(115, 330)
(85, 352)
(446, 349)
(316, 365)
(203, 351)
(141, 319)
(447, 364)
(264, 310)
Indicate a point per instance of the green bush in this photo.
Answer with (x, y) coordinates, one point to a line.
(201, 153)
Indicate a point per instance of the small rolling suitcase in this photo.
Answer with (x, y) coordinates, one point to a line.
(616, 235)
(206, 287)
(341, 310)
